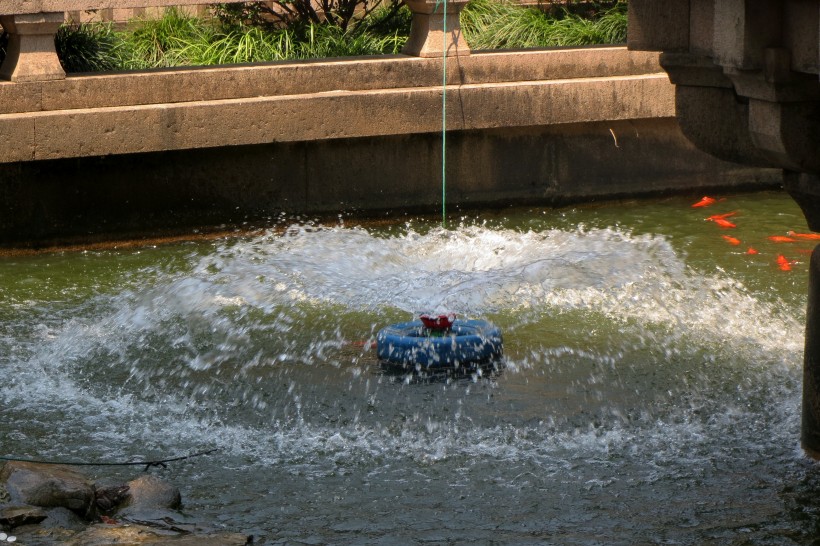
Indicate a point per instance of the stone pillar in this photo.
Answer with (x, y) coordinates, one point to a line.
(658, 26)
(805, 189)
(428, 37)
(810, 430)
(31, 55)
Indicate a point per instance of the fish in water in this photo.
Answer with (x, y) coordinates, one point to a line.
(722, 222)
(752, 251)
(731, 240)
(722, 216)
(784, 263)
(781, 239)
(807, 236)
(704, 202)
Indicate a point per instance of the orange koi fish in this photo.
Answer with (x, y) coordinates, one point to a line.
(722, 222)
(751, 251)
(731, 240)
(782, 239)
(807, 236)
(364, 344)
(722, 216)
(705, 202)
(783, 263)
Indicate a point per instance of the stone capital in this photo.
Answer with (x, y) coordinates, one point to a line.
(31, 54)
(428, 35)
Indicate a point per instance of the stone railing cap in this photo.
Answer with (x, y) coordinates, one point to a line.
(16, 7)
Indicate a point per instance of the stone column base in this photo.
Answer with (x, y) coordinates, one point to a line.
(428, 37)
(31, 55)
(810, 429)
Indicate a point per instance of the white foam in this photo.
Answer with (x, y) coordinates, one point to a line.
(247, 301)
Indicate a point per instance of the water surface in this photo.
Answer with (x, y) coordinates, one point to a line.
(650, 393)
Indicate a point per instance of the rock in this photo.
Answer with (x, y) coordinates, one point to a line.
(111, 497)
(63, 518)
(15, 516)
(151, 493)
(47, 486)
(34, 535)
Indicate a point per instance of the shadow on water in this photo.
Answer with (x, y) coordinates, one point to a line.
(413, 375)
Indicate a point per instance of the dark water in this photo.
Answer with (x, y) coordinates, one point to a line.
(650, 395)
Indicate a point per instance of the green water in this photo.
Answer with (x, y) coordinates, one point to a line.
(650, 393)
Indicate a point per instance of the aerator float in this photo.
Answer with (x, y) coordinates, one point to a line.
(439, 343)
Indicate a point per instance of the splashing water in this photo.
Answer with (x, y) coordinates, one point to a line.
(646, 398)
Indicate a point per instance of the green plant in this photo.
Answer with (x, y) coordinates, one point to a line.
(88, 48)
(495, 24)
(345, 14)
(162, 42)
(319, 41)
(180, 40)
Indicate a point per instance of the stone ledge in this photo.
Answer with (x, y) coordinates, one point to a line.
(300, 78)
(332, 115)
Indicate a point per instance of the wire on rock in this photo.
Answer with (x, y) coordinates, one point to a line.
(147, 464)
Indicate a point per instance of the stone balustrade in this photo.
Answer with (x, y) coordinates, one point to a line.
(32, 25)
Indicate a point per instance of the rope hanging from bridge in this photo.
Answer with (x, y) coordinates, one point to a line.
(443, 3)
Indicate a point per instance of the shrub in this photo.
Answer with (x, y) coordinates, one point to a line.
(344, 14)
(495, 24)
(181, 40)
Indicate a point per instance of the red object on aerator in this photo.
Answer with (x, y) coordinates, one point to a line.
(438, 322)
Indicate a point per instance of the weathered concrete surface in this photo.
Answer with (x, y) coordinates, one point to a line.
(291, 102)
(436, 29)
(310, 77)
(746, 75)
(120, 196)
(10, 7)
(333, 115)
(96, 155)
(31, 37)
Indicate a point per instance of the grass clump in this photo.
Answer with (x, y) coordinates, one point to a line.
(88, 48)
(502, 24)
(178, 39)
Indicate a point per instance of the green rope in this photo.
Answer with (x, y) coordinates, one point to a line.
(444, 123)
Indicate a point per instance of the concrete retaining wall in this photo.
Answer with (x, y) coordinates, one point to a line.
(123, 154)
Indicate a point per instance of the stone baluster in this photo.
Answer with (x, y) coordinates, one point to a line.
(428, 37)
(31, 55)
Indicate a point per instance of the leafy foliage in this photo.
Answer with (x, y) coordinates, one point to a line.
(344, 14)
(87, 48)
(497, 24)
(182, 40)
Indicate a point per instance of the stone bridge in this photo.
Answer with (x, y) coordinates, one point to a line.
(747, 90)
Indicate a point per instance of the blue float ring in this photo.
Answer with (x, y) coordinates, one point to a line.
(412, 345)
